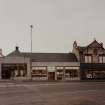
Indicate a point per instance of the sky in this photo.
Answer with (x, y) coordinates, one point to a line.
(57, 24)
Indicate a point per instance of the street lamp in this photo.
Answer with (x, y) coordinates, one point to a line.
(31, 26)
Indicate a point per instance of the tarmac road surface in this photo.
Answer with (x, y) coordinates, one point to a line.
(52, 93)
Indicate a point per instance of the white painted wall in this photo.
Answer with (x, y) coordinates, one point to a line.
(55, 64)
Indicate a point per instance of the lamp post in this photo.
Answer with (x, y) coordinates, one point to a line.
(31, 26)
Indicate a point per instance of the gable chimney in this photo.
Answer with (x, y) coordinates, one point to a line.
(75, 44)
(101, 44)
(1, 55)
(17, 48)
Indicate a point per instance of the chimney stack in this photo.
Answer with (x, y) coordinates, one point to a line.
(17, 48)
(101, 44)
(75, 44)
(1, 55)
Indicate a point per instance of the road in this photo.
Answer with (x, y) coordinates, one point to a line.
(52, 93)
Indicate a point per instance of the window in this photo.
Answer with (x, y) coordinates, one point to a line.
(39, 72)
(101, 59)
(71, 73)
(51, 68)
(95, 74)
(60, 73)
(95, 51)
(88, 58)
(71, 68)
(59, 67)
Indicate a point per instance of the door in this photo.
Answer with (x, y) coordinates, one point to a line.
(51, 75)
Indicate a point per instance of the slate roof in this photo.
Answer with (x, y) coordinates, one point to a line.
(45, 57)
(82, 48)
(51, 57)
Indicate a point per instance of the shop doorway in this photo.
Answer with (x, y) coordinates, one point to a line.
(51, 75)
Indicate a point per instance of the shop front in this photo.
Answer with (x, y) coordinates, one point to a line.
(72, 73)
(12, 71)
(92, 71)
(67, 73)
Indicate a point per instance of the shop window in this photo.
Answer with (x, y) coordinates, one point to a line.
(39, 72)
(71, 73)
(60, 73)
(97, 74)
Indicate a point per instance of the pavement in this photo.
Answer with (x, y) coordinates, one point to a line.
(52, 93)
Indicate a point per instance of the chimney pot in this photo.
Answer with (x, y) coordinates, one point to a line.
(17, 48)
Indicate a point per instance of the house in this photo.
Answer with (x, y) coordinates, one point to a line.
(92, 60)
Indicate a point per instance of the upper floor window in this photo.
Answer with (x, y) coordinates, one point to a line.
(101, 59)
(88, 59)
(95, 51)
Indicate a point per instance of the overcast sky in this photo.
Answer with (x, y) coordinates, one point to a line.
(57, 23)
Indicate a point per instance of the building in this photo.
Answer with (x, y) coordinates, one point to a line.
(84, 63)
(40, 66)
(92, 60)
